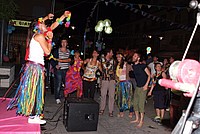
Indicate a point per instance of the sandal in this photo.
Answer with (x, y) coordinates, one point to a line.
(111, 114)
(101, 112)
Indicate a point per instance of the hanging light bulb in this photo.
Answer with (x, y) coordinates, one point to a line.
(98, 28)
(108, 30)
(107, 22)
(101, 23)
(193, 4)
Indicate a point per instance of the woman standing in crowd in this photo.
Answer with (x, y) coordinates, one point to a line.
(89, 76)
(159, 93)
(124, 92)
(73, 76)
(165, 68)
(29, 97)
(166, 65)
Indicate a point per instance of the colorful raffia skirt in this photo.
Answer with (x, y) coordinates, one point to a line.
(124, 95)
(29, 96)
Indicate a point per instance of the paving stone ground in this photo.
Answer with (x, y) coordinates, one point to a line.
(106, 124)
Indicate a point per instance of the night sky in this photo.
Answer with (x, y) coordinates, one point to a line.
(81, 10)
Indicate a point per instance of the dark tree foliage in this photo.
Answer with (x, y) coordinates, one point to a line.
(8, 9)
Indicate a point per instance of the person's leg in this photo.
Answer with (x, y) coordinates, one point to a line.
(131, 112)
(121, 112)
(160, 106)
(136, 117)
(120, 95)
(80, 88)
(92, 89)
(156, 105)
(86, 85)
(162, 113)
(89, 86)
(157, 112)
(141, 122)
(129, 97)
(142, 99)
(63, 73)
(136, 104)
(38, 93)
(78, 92)
(104, 88)
(52, 81)
(162, 101)
(111, 96)
(58, 83)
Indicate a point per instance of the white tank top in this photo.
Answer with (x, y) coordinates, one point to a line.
(36, 53)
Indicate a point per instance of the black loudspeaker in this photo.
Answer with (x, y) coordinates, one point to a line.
(80, 114)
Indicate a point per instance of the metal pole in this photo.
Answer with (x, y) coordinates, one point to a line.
(7, 44)
(52, 6)
(97, 17)
(84, 43)
(1, 45)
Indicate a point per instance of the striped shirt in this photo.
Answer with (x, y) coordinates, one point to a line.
(64, 55)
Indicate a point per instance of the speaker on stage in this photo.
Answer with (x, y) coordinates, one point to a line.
(80, 114)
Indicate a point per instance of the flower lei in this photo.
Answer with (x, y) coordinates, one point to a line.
(67, 20)
(118, 70)
(104, 64)
(36, 28)
(156, 77)
(52, 57)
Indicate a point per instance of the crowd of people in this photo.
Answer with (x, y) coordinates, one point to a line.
(126, 78)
